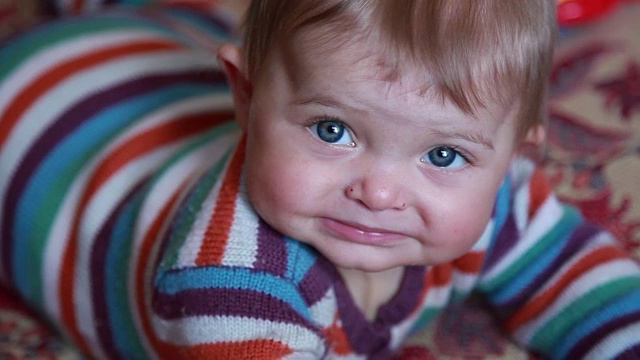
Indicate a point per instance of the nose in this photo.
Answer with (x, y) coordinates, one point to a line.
(378, 191)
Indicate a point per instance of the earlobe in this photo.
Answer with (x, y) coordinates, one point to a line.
(232, 61)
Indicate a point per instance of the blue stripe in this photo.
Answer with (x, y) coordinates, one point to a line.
(122, 328)
(173, 282)
(212, 27)
(625, 305)
(68, 158)
(300, 257)
(502, 206)
(516, 285)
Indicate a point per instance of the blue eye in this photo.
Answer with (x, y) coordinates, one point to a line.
(332, 132)
(444, 157)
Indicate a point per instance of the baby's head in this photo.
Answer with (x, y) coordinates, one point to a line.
(468, 51)
(380, 131)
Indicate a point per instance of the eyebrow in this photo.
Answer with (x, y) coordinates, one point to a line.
(479, 139)
(474, 138)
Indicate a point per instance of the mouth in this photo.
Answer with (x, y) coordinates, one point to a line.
(361, 234)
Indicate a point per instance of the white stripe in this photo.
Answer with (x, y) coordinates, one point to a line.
(217, 329)
(56, 243)
(548, 216)
(188, 168)
(74, 89)
(437, 298)
(42, 62)
(242, 246)
(163, 190)
(598, 276)
(485, 239)
(615, 344)
(324, 311)
(120, 183)
(191, 248)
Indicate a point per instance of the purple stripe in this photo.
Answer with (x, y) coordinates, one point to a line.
(405, 301)
(364, 337)
(70, 121)
(271, 250)
(228, 302)
(506, 239)
(98, 277)
(593, 339)
(633, 353)
(317, 282)
(571, 247)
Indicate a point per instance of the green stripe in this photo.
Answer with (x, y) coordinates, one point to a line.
(184, 220)
(59, 187)
(561, 323)
(426, 317)
(563, 228)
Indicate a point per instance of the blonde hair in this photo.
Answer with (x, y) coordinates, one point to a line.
(474, 51)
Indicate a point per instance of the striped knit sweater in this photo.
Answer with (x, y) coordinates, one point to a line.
(124, 220)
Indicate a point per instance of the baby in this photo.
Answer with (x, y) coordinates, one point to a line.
(374, 179)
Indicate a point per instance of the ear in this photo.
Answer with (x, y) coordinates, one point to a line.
(530, 146)
(535, 136)
(232, 61)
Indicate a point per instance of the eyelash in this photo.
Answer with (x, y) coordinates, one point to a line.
(465, 155)
(316, 120)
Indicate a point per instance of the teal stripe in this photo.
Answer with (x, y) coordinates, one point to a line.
(625, 305)
(300, 257)
(501, 207)
(116, 272)
(425, 319)
(540, 257)
(212, 277)
(549, 333)
(50, 183)
(196, 19)
(508, 283)
(192, 206)
(15, 53)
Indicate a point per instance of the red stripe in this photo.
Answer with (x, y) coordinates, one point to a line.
(217, 233)
(539, 191)
(134, 148)
(29, 95)
(542, 302)
(470, 263)
(142, 283)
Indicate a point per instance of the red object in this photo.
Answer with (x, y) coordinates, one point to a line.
(576, 12)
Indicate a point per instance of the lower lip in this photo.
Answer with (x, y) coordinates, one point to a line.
(356, 235)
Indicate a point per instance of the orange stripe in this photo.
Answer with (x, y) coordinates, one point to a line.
(259, 349)
(217, 233)
(470, 263)
(44, 83)
(539, 191)
(440, 275)
(134, 148)
(149, 243)
(250, 349)
(534, 308)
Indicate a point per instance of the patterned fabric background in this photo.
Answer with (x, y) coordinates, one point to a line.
(592, 157)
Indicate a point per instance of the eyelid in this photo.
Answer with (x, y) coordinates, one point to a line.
(466, 156)
(317, 120)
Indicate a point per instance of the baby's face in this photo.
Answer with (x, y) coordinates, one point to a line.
(371, 173)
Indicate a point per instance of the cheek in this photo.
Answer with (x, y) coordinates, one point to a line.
(461, 223)
(280, 184)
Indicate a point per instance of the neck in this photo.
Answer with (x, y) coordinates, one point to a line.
(371, 290)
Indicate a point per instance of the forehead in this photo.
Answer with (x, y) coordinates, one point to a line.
(313, 63)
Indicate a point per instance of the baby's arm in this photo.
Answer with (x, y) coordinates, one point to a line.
(235, 313)
(561, 286)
